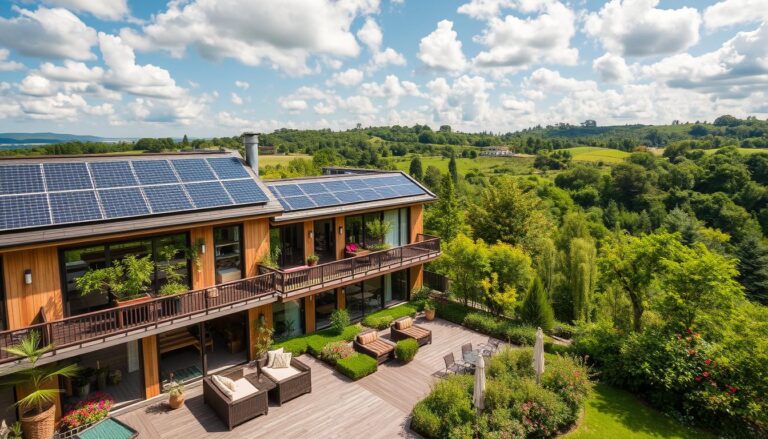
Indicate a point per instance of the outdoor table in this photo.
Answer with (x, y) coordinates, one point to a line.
(472, 357)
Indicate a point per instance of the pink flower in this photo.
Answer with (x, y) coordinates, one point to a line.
(707, 361)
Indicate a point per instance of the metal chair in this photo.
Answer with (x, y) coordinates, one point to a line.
(451, 366)
(491, 347)
(465, 349)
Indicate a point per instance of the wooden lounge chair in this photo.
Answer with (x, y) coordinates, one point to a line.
(290, 382)
(369, 343)
(404, 327)
(247, 403)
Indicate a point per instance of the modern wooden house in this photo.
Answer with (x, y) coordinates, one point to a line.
(204, 222)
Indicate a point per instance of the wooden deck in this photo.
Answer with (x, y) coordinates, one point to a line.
(377, 406)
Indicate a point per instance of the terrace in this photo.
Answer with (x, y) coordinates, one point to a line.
(377, 406)
(82, 333)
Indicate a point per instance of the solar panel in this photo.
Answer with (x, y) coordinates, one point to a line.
(70, 207)
(324, 199)
(120, 203)
(193, 170)
(385, 192)
(289, 190)
(66, 176)
(167, 198)
(154, 172)
(368, 194)
(300, 202)
(245, 191)
(211, 194)
(313, 188)
(20, 179)
(112, 174)
(348, 197)
(228, 168)
(334, 186)
(357, 184)
(20, 211)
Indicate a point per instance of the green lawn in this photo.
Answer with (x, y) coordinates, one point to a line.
(273, 160)
(487, 165)
(595, 154)
(741, 150)
(614, 413)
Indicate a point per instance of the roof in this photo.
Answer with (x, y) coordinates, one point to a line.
(345, 193)
(57, 197)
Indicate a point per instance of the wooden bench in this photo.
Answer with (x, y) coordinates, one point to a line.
(181, 338)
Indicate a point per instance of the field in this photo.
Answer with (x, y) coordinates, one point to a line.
(273, 160)
(745, 151)
(487, 165)
(595, 154)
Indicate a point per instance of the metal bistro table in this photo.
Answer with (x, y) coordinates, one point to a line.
(471, 357)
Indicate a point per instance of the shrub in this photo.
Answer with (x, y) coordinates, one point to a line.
(88, 411)
(419, 297)
(540, 410)
(405, 350)
(339, 320)
(564, 330)
(317, 341)
(425, 421)
(335, 351)
(602, 344)
(554, 348)
(568, 378)
(378, 322)
(484, 323)
(450, 401)
(536, 309)
(297, 346)
(498, 425)
(520, 335)
(382, 319)
(451, 311)
(357, 366)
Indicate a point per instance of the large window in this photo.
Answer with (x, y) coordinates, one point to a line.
(290, 241)
(325, 242)
(325, 305)
(357, 227)
(167, 253)
(364, 298)
(228, 247)
(395, 287)
(288, 319)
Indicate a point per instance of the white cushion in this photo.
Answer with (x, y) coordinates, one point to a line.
(271, 356)
(243, 388)
(280, 374)
(282, 361)
(227, 388)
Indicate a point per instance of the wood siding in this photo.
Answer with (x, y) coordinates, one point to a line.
(309, 314)
(204, 275)
(150, 366)
(24, 301)
(416, 221)
(341, 238)
(309, 243)
(341, 300)
(416, 278)
(256, 242)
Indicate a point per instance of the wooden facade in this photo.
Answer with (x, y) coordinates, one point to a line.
(23, 302)
(150, 366)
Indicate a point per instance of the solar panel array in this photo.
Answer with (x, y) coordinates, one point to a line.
(53, 193)
(300, 196)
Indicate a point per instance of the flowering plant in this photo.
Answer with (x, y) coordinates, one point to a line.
(352, 247)
(335, 351)
(88, 411)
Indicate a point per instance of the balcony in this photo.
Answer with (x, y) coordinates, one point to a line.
(306, 280)
(139, 320)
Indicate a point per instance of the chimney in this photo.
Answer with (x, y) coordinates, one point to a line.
(251, 142)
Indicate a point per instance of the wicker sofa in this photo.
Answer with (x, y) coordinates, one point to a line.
(237, 411)
(290, 382)
(369, 343)
(404, 327)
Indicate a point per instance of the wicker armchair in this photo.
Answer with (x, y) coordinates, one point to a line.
(234, 413)
(369, 343)
(419, 333)
(291, 387)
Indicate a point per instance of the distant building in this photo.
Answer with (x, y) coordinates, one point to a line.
(497, 151)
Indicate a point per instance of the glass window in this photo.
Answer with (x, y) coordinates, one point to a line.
(228, 245)
(405, 227)
(325, 243)
(353, 297)
(325, 305)
(373, 294)
(3, 324)
(354, 229)
(395, 287)
(172, 266)
(290, 239)
(76, 263)
(393, 236)
(288, 319)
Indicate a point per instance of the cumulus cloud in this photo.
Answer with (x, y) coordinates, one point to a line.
(392, 89)
(236, 99)
(517, 106)
(347, 78)
(104, 9)
(255, 32)
(730, 12)
(184, 111)
(638, 28)
(465, 101)
(441, 49)
(71, 71)
(485, 9)
(36, 85)
(372, 36)
(612, 68)
(358, 105)
(5, 64)
(48, 33)
(516, 43)
(242, 84)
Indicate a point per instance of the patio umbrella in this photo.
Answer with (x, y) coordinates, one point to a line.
(538, 355)
(479, 393)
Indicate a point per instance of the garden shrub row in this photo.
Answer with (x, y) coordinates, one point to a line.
(357, 366)
(315, 342)
(498, 327)
(405, 350)
(515, 406)
(382, 319)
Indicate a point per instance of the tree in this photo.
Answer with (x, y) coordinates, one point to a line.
(505, 212)
(415, 169)
(753, 267)
(452, 170)
(466, 264)
(326, 157)
(536, 309)
(432, 178)
(185, 141)
(498, 298)
(446, 218)
(512, 265)
(582, 276)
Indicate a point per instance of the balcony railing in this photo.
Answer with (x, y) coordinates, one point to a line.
(333, 273)
(98, 325)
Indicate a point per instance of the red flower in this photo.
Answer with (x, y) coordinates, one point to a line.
(707, 361)
(698, 378)
(706, 374)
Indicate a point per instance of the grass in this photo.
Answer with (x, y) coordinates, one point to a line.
(273, 160)
(314, 343)
(357, 366)
(610, 412)
(596, 154)
(381, 319)
(486, 165)
(746, 151)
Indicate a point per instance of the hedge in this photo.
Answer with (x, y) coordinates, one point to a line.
(314, 343)
(498, 327)
(382, 319)
(405, 350)
(357, 366)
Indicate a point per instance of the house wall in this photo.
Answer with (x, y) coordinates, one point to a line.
(23, 301)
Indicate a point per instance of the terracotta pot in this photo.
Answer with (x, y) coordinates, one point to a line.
(311, 263)
(176, 401)
(429, 314)
(41, 425)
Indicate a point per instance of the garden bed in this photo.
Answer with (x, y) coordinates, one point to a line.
(382, 319)
(499, 327)
(357, 366)
(315, 342)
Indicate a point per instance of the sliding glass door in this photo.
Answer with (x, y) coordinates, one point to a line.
(325, 242)
(325, 305)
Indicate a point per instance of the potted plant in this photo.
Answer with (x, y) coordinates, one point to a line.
(312, 260)
(115, 377)
(352, 250)
(429, 310)
(175, 394)
(12, 432)
(126, 280)
(38, 408)
(377, 232)
(262, 344)
(101, 376)
(83, 381)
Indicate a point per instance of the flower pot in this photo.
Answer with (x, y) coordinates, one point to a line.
(176, 401)
(41, 425)
(311, 263)
(82, 389)
(429, 314)
(212, 293)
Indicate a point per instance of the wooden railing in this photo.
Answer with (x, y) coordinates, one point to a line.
(96, 325)
(288, 281)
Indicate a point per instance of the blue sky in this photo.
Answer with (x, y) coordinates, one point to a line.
(128, 68)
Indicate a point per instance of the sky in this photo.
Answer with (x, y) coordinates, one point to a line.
(142, 68)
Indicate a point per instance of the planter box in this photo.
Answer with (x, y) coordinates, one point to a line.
(133, 316)
(358, 253)
(134, 301)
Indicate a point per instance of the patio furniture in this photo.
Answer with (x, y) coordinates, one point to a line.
(404, 327)
(491, 347)
(108, 428)
(246, 403)
(181, 338)
(451, 366)
(369, 343)
(290, 382)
